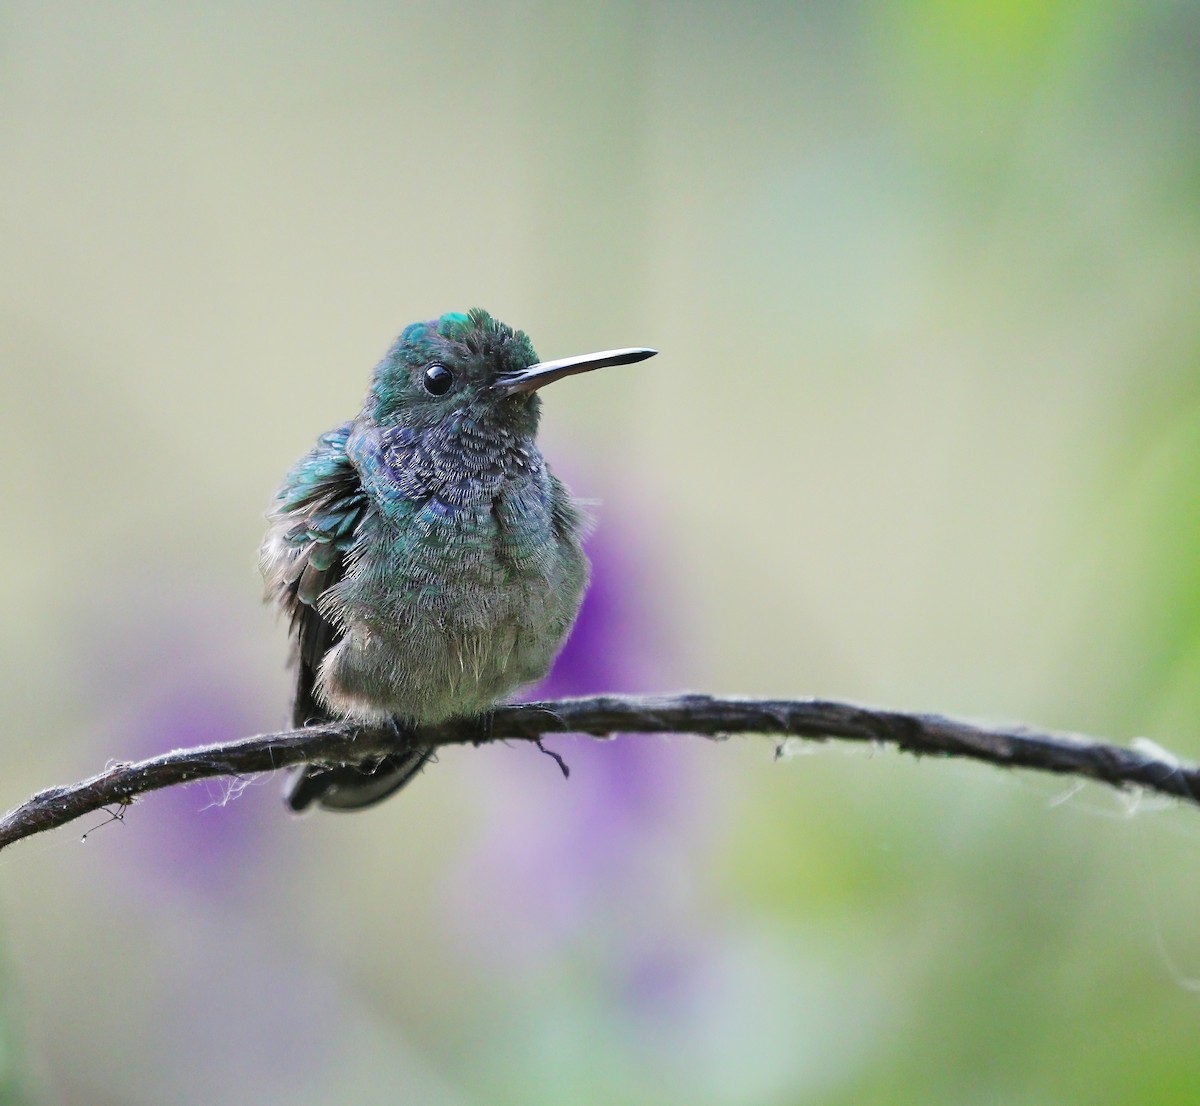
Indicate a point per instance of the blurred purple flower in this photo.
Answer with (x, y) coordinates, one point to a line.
(562, 854)
(206, 836)
(163, 671)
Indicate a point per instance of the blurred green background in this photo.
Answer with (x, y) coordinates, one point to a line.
(924, 432)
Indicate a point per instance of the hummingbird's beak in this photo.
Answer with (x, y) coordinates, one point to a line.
(532, 378)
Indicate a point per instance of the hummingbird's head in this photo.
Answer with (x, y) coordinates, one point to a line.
(471, 371)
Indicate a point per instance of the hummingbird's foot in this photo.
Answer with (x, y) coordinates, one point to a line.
(486, 721)
(401, 734)
(403, 737)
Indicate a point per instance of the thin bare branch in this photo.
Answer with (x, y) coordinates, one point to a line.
(604, 716)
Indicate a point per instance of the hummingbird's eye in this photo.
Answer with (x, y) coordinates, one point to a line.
(438, 380)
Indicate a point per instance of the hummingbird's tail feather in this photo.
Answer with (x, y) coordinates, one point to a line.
(354, 787)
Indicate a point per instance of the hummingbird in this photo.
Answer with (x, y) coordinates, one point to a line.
(427, 559)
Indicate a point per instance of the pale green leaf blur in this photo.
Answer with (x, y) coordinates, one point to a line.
(924, 432)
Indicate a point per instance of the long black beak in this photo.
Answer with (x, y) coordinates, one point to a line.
(532, 378)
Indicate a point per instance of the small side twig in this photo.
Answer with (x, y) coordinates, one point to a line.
(603, 716)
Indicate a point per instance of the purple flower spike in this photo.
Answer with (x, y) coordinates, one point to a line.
(560, 853)
(164, 669)
(204, 835)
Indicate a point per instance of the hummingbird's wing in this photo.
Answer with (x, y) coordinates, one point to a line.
(313, 525)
